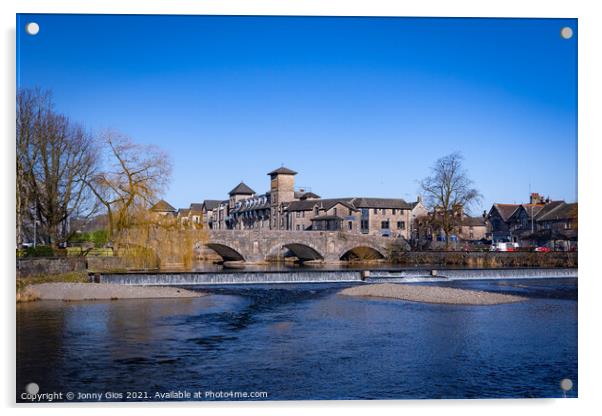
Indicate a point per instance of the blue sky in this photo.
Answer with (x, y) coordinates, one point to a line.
(357, 106)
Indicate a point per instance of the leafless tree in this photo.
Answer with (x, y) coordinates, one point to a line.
(448, 192)
(55, 157)
(132, 177)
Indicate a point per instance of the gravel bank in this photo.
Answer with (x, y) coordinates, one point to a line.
(98, 291)
(431, 294)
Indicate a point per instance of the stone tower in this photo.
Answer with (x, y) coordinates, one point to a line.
(282, 190)
(240, 192)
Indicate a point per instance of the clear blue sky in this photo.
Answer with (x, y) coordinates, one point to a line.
(358, 106)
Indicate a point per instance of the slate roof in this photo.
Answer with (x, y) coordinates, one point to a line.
(196, 207)
(162, 206)
(396, 203)
(282, 171)
(309, 204)
(548, 208)
(241, 189)
(530, 209)
(306, 195)
(533, 209)
(183, 212)
(353, 203)
(561, 212)
(473, 221)
(252, 204)
(506, 210)
(211, 204)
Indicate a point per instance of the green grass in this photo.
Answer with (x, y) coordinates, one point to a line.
(104, 252)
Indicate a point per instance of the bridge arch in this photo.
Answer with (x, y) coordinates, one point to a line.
(302, 250)
(362, 252)
(226, 252)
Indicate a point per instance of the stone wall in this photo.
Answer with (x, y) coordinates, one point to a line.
(485, 259)
(44, 266)
(27, 267)
(110, 263)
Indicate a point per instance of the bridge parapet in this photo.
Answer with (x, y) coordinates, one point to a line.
(261, 245)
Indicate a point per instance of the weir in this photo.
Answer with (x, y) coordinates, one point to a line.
(469, 274)
(220, 278)
(325, 276)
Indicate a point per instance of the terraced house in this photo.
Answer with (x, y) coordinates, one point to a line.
(284, 207)
(540, 222)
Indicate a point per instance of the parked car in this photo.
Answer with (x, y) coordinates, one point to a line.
(504, 247)
(543, 249)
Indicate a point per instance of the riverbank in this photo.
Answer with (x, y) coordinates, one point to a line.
(487, 259)
(430, 294)
(100, 291)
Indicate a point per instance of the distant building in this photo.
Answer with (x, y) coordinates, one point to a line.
(498, 218)
(183, 215)
(473, 228)
(540, 222)
(285, 208)
(465, 228)
(163, 208)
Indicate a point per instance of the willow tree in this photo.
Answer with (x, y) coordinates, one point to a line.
(156, 240)
(132, 176)
(448, 192)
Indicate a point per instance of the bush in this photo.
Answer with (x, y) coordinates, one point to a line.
(99, 238)
(39, 251)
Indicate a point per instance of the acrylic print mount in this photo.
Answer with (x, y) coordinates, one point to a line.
(295, 208)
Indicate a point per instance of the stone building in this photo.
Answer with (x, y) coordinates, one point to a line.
(284, 207)
(465, 227)
(473, 228)
(163, 208)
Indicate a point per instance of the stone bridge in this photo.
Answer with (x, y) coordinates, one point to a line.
(329, 246)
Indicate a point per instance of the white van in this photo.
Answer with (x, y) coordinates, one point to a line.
(504, 247)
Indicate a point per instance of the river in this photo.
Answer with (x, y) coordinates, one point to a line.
(302, 342)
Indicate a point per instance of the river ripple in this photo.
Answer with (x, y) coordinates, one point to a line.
(306, 342)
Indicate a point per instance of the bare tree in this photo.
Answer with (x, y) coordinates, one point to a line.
(55, 157)
(132, 177)
(448, 191)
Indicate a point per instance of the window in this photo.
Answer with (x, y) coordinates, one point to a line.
(365, 226)
(393, 211)
(350, 212)
(376, 210)
(316, 211)
(302, 214)
(350, 225)
(298, 227)
(401, 225)
(298, 214)
(384, 225)
(334, 212)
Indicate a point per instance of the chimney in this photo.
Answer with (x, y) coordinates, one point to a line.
(535, 198)
(419, 198)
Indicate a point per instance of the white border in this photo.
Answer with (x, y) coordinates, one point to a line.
(590, 135)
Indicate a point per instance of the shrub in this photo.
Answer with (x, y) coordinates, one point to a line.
(99, 238)
(39, 251)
